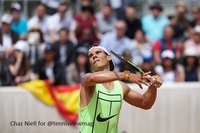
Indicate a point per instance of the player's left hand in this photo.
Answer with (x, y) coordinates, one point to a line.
(156, 81)
(140, 79)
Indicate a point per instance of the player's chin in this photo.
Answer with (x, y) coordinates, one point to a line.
(95, 68)
(97, 65)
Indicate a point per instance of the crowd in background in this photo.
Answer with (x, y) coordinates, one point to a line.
(53, 44)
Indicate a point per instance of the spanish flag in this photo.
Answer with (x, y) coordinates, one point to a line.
(64, 97)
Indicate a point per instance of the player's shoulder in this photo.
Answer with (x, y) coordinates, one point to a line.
(87, 75)
(88, 80)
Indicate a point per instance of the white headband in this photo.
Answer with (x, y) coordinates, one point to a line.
(102, 48)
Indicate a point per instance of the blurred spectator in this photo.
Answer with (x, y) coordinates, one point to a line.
(62, 19)
(86, 40)
(118, 6)
(81, 3)
(19, 65)
(168, 69)
(153, 24)
(49, 68)
(65, 50)
(40, 20)
(194, 41)
(8, 37)
(180, 22)
(195, 16)
(140, 48)
(106, 20)
(36, 45)
(116, 40)
(5, 75)
(19, 25)
(191, 69)
(86, 21)
(52, 5)
(148, 65)
(166, 43)
(132, 22)
(77, 4)
(124, 66)
(77, 70)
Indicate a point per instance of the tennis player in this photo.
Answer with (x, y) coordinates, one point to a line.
(102, 93)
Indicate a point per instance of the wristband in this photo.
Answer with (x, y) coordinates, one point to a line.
(127, 74)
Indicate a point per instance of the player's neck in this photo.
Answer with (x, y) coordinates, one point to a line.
(109, 85)
(107, 68)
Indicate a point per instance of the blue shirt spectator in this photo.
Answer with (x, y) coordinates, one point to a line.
(110, 42)
(116, 40)
(20, 27)
(153, 24)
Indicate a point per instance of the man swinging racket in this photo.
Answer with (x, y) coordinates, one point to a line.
(102, 93)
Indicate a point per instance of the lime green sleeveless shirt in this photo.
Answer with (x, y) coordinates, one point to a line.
(102, 113)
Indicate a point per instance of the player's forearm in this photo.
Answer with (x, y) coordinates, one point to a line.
(102, 77)
(149, 97)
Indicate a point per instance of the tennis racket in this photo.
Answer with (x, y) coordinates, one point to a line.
(120, 57)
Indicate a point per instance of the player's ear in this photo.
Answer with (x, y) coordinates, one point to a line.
(109, 57)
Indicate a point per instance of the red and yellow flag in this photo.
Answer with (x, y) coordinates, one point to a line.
(64, 97)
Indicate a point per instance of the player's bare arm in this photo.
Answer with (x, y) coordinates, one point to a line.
(91, 79)
(146, 100)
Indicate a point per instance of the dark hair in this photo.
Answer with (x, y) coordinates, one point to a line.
(173, 64)
(171, 26)
(88, 9)
(140, 31)
(156, 5)
(24, 66)
(131, 5)
(196, 63)
(63, 29)
(87, 64)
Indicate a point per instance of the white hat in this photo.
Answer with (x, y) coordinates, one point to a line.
(167, 54)
(21, 45)
(16, 6)
(190, 51)
(6, 18)
(197, 29)
(102, 48)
